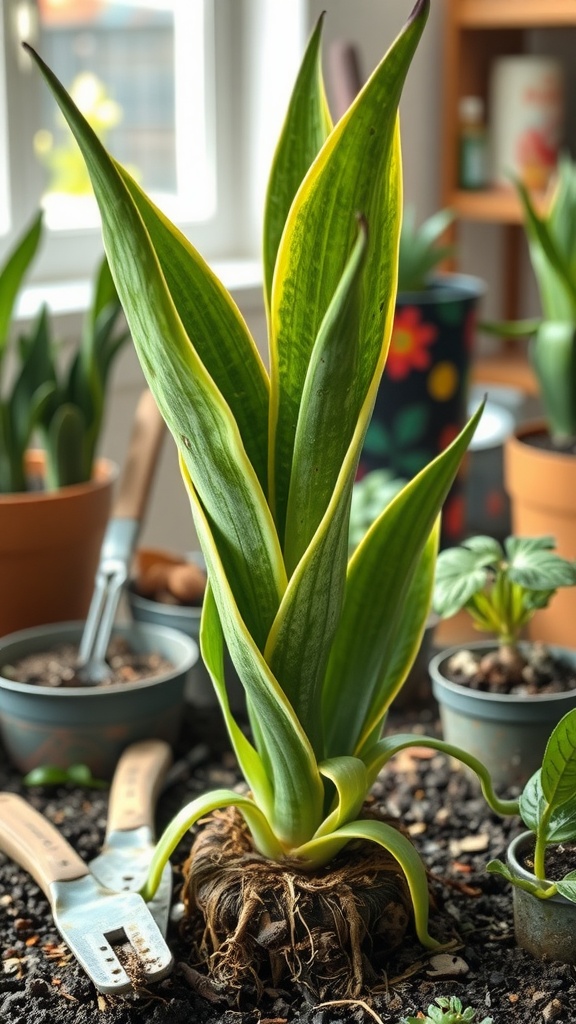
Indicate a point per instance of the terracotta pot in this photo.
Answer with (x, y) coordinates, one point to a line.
(50, 548)
(507, 732)
(546, 928)
(542, 489)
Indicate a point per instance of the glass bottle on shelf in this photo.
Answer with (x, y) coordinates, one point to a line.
(472, 144)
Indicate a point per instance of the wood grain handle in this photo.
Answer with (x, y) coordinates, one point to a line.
(143, 451)
(35, 844)
(137, 780)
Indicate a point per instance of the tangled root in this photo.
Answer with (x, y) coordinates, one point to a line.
(266, 924)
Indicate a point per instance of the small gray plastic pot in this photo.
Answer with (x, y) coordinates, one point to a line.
(91, 725)
(546, 928)
(507, 732)
(199, 689)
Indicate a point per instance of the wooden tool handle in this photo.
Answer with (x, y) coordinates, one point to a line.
(143, 450)
(35, 844)
(136, 784)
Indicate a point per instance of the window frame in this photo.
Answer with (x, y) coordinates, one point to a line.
(252, 39)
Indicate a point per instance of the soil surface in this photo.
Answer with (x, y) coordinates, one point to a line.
(57, 667)
(533, 669)
(451, 826)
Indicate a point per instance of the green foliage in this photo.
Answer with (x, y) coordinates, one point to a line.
(53, 775)
(321, 644)
(552, 247)
(370, 495)
(447, 1011)
(421, 250)
(500, 587)
(64, 405)
(548, 809)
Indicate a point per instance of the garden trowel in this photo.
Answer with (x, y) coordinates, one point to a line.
(120, 539)
(93, 921)
(125, 858)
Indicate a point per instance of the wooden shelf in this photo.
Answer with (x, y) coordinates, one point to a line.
(501, 205)
(508, 368)
(492, 14)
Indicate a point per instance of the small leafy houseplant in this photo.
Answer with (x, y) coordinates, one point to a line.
(541, 863)
(64, 405)
(548, 808)
(421, 249)
(501, 587)
(552, 247)
(321, 645)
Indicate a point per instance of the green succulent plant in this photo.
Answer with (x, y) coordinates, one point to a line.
(448, 1010)
(552, 247)
(269, 457)
(64, 405)
(421, 248)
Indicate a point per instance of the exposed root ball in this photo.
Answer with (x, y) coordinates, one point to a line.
(265, 924)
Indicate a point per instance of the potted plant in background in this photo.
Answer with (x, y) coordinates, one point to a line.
(269, 461)
(54, 502)
(541, 862)
(539, 462)
(422, 400)
(500, 698)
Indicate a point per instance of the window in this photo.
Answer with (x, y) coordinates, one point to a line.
(190, 94)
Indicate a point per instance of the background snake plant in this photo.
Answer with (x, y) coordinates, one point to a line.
(269, 457)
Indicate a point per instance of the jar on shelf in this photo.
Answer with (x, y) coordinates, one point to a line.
(472, 144)
(526, 119)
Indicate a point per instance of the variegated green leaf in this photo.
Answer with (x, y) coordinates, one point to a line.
(306, 127)
(206, 803)
(192, 405)
(12, 274)
(319, 851)
(294, 778)
(379, 576)
(355, 172)
(329, 410)
(350, 780)
(215, 327)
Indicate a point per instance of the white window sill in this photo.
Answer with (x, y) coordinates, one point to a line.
(242, 278)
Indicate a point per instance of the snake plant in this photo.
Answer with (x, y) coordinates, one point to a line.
(269, 458)
(37, 394)
(552, 248)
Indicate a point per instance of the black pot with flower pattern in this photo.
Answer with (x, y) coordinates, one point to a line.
(422, 399)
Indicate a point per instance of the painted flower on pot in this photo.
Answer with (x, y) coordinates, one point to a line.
(410, 343)
(321, 644)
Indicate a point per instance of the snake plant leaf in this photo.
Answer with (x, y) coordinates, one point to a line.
(296, 783)
(306, 128)
(350, 780)
(12, 274)
(321, 849)
(553, 355)
(64, 447)
(409, 633)
(209, 315)
(556, 282)
(329, 411)
(379, 576)
(192, 405)
(356, 171)
(199, 808)
(249, 760)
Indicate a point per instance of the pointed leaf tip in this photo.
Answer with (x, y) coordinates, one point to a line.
(421, 9)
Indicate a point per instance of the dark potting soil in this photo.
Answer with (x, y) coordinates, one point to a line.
(57, 667)
(537, 671)
(544, 441)
(451, 826)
